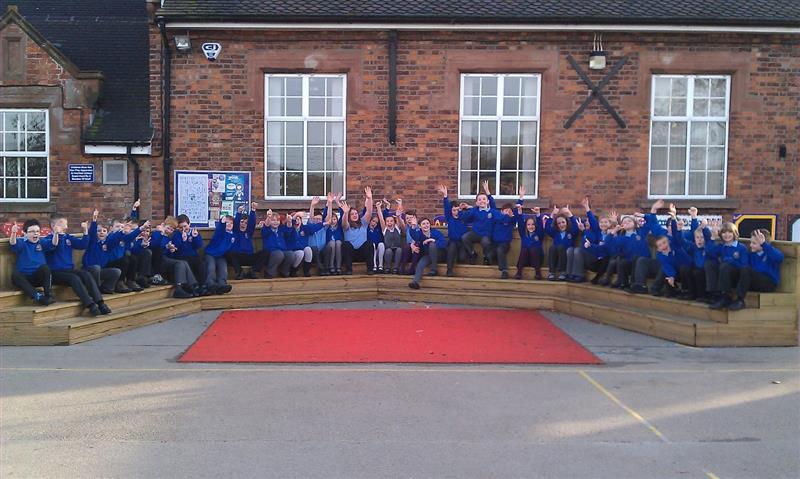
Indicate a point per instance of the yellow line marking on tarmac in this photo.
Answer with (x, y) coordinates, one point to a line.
(619, 403)
(711, 475)
(346, 369)
(689, 347)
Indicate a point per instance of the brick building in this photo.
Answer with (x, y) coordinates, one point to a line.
(73, 91)
(698, 102)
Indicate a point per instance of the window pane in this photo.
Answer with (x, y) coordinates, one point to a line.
(697, 183)
(528, 180)
(658, 158)
(678, 108)
(294, 86)
(661, 107)
(316, 86)
(529, 106)
(699, 133)
(316, 184)
(679, 88)
(677, 133)
(511, 87)
(528, 132)
(335, 133)
(13, 166)
(489, 176)
(511, 106)
(701, 87)
(316, 133)
(294, 107)
(12, 188)
(529, 85)
(13, 121)
(316, 107)
(275, 133)
(337, 182)
(335, 87)
(294, 158)
(677, 183)
(509, 133)
(275, 107)
(316, 159)
(508, 158)
(677, 158)
(697, 161)
(488, 106)
(663, 87)
(469, 182)
(275, 184)
(338, 159)
(275, 158)
(469, 132)
(35, 141)
(715, 184)
(472, 105)
(488, 86)
(660, 133)
(658, 183)
(37, 167)
(716, 159)
(36, 121)
(334, 107)
(12, 142)
(508, 184)
(488, 133)
(701, 107)
(37, 189)
(294, 184)
(294, 132)
(716, 133)
(718, 87)
(275, 86)
(488, 157)
(527, 160)
(469, 157)
(471, 86)
(717, 108)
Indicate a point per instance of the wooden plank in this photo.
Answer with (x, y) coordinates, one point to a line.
(487, 299)
(26, 334)
(254, 300)
(747, 333)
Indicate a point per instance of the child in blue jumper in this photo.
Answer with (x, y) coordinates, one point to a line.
(502, 232)
(675, 263)
(593, 253)
(531, 251)
(188, 243)
(216, 264)
(334, 236)
(31, 269)
(392, 233)
(764, 271)
(457, 227)
(481, 216)
(427, 242)
(697, 251)
(96, 257)
(563, 228)
(63, 268)
(242, 252)
(726, 273)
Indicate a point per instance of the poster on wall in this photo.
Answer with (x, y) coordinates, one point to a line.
(205, 196)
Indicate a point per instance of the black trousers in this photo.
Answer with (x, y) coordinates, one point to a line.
(646, 268)
(624, 270)
(28, 282)
(144, 263)
(365, 253)
(455, 252)
(501, 251)
(530, 257)
(742, 280)
(695, 281)
(198, 267)
(470, 238)
(123, 264)
(256, 260)
(82, 282)
(557, 259)
(759, 282)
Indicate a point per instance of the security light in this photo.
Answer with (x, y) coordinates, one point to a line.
(597, 58)
(182, 43)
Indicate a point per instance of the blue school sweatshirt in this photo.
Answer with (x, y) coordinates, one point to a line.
(768, 262)
(419, 237)
(117, 243)
(31, 256)
(273, 239)
(563, 238)
(374, 235)
(734, 254)
(60, 257)
(701, 255)
(221, 242)
(317, 240)
(635, 243)
(456, 227)
(672, 261)
(482, 219)
(529, 240)
(503, 228)
(187, 248)
(356, 236)
(243, 240)
(96, 253)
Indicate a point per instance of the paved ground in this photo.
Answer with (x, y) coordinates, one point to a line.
(122, 407)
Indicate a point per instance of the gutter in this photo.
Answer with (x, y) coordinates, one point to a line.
(136, 171)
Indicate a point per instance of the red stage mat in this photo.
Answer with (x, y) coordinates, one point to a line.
(386, 336)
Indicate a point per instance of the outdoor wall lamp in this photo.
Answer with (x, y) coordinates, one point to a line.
(597, 58)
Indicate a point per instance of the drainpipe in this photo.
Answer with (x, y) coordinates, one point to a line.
(392, 87)
(136, 170)
(166, 87)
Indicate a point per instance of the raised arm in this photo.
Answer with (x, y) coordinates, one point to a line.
(381, 219)
(252, 218)
(135, 209)
(345, 219)
(367, 204)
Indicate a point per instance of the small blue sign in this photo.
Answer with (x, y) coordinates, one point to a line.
(80, 173)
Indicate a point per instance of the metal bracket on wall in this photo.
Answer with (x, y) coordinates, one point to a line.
(595, 91)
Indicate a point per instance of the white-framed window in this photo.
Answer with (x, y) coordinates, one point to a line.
(499, 134)
(689, 136)
(304, 134)
(24, 149)
(115, 172)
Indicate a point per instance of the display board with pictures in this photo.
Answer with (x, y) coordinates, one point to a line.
(206, 196)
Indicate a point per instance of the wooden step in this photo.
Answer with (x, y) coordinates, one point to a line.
(318, 283)
(280, 298)
(747, 334)
(660, 325)
(488, 298)
(39, 314)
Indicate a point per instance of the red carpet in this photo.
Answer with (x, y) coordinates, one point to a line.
(386, 336)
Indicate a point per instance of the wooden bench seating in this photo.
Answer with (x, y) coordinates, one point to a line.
(770, 319)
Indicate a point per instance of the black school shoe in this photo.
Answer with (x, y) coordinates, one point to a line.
(736, 305)
(142, 281)
(133, 286)
(94, 310)
(551, 277)
(413, 285)
(181, 293)
(223, 289)
(504, 275)
(103, 307)
(637, 289)
(721, 303)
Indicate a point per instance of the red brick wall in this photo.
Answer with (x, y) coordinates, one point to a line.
(218, 112)
(48, 85)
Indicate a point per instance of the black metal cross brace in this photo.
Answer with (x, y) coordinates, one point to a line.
(596, 91)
